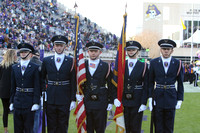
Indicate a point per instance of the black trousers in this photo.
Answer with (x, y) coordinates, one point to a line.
(191, 77)
(96, 120)
(23, 120)
(5, 102)
(195, 79)
(57, 118)
(164, 120)
(133, 119)
(186, 77)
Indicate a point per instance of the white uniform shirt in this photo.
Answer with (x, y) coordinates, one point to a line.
(93, 65)
(166, 63)
(131, 64)
(24, 64)
(59, 60)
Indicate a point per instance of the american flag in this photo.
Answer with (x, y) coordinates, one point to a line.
(118, 77)
(92, 65)
(81, 78)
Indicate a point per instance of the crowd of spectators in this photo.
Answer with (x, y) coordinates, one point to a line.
(36, 23)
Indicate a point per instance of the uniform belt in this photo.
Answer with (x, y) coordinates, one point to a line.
(165, 86)
(24, 89)
(138, 87)
(58, 82)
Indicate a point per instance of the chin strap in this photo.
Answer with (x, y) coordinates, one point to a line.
(26, 56)
(134, 54)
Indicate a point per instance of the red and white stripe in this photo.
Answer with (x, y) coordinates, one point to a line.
(80, 110)
(81, 117)
(81, 72)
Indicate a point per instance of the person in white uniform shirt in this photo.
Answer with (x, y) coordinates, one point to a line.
(164, 96)
(25, 90)
(97, 90)
(58, 74)
(134, 98)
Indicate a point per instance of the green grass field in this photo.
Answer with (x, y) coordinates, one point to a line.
(187, 118)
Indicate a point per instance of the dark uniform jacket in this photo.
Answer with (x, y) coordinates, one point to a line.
(59, 94)
(5, 81)
(136, 85)
(96, 85)
(30, 79)
(166, 98)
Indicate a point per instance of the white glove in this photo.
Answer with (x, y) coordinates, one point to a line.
(117, 103)
(72, 105)
(109, 108)
(35, 107)
(11, 107)
(142, 108)
(150, 104)
(178, 105)
(79, 97)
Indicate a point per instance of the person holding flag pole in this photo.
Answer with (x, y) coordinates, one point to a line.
(135, 90)
(97, 97)
(92, 77)
(97, 90)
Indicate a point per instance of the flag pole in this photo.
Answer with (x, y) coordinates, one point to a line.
(75, 6)
(125, 7)
(191, 58)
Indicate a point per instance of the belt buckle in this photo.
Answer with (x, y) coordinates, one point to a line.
(165, 86)
(129, 96)
(22, 89)
(94, 97)
(56, 83)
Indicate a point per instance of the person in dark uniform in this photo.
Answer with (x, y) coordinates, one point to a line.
(164, 98)
(59, 73)
(25, 90)
(135, 89)
(97, 97)
(9, 58)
